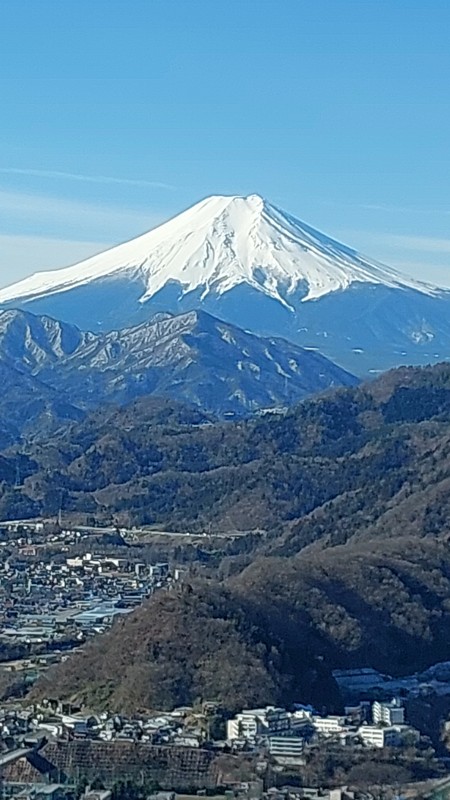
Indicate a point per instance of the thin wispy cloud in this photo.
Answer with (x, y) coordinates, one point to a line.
(41, 232)
(386, 208)
(21, 255)
(75, 176)
(436, 273)
(409, 242)
(422, 244)
(422, 257)
(55, 215)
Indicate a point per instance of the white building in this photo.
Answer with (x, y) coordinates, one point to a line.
(329, 726)
(245, 725)
(374, 736)
(391, 713)
(286, 746)
(254, 722)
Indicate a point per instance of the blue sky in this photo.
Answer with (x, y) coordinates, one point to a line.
(116, 114)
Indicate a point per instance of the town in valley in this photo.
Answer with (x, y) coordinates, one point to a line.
(61, 585)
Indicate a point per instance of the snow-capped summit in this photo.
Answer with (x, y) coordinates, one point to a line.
(218, 244)
(256, 266)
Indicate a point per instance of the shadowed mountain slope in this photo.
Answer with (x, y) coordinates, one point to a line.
(193, 358)
(370, 459)
(272, 634)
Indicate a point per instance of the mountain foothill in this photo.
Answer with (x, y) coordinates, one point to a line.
(240, 385)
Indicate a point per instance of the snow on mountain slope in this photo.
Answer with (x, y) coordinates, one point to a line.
(246, 262)
(27, 341)
(193, 358)
(218, 244)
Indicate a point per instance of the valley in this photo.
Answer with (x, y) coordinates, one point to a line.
(199, 514)
(224, 400)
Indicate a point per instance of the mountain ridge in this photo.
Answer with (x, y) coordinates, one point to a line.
(192, 357)
(250, 264)
(358, 460)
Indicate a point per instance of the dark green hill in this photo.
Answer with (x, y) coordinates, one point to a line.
(27, 405)
(379, 603)
(201, 642)
(368, 460)
(272, 634)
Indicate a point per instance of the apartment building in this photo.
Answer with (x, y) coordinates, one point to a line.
(391, 713)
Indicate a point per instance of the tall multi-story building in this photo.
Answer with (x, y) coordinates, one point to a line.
(391, 713)
(286, 746)
(254, 722)
(374, 736)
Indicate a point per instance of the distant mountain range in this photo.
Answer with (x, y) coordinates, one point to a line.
(348, 563)
(363, 461)
(247, 262)
(51, 371)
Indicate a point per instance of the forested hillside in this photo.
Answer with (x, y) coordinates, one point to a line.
(372, 460)
(273, 633)
(353, 569)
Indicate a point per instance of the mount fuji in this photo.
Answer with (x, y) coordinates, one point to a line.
(255, 266)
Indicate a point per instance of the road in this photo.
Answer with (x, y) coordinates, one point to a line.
(134, 532)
